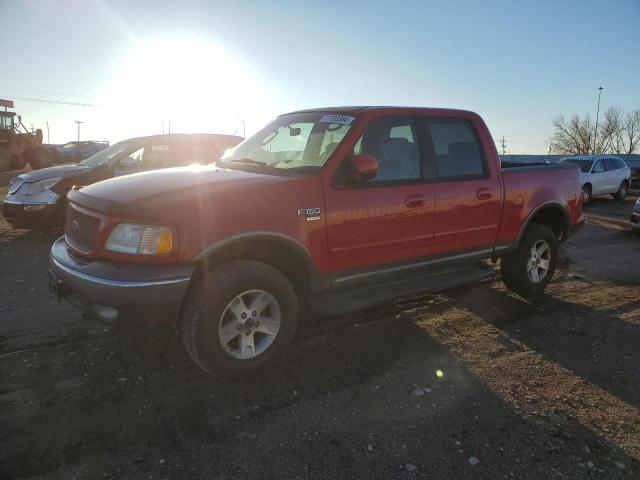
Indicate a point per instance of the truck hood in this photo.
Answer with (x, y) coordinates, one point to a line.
(141, 188)
(52, 172)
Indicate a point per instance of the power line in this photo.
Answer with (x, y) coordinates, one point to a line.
(57, 102)
(50, 92)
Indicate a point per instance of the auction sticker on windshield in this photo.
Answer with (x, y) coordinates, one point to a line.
(341, 119)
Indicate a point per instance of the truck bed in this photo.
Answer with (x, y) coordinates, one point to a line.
(527, 187)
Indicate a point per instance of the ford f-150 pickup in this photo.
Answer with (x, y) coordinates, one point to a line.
(321, 212)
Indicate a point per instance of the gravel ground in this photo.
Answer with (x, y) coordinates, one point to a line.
(474, 382)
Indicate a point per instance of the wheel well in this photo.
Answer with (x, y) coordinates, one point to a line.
(587, 184)
(273, 252)
(552, 217)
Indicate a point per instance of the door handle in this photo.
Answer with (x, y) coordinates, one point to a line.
(414, 201)
(484, 194)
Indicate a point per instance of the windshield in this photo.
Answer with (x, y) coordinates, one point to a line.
(299, 141)
(108, 153)
(70, 145)
(585, 165)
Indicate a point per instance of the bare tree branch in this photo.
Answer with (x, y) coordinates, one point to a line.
(616, 133)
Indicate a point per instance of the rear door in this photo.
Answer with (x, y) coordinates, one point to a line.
(615, 173)
(467, 192)
(388, 220)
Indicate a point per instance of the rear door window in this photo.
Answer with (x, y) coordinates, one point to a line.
(611, 164)
(456, 149)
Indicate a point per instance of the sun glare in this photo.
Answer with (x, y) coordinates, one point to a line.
(189, 81)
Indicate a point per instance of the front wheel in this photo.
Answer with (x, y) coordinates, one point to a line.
(529, 269)
(622, 192)
(239, 319)
(586, 194)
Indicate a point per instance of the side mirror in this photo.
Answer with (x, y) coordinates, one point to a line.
(365, 167)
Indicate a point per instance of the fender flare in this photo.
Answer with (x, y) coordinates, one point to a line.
(551, 203)
(316, 280)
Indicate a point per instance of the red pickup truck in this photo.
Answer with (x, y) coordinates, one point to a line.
(322, 211)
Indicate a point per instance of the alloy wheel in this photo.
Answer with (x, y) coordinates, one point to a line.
(249, 324)
(539, 261)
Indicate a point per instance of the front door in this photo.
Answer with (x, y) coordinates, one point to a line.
(387, 220)
(150, 156)
(599, 178)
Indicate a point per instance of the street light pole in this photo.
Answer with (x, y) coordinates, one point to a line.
(595, 139)
(79, 123)
(48, 142)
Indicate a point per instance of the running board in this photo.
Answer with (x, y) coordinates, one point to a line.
(334, 302)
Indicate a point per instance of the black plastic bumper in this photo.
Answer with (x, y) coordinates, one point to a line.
(29, 216)
(126, 294)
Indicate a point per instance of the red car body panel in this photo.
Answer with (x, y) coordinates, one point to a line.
(358, 228)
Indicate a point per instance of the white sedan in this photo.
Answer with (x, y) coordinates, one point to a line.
(602, 175)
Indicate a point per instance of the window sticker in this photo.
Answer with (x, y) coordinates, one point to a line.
(340, 119)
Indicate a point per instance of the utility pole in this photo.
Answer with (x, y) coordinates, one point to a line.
(47, 123)
(169, 125)
(504, 146)
(595, 139)
(79, 123)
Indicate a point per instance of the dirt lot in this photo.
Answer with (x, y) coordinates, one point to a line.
(507, 389)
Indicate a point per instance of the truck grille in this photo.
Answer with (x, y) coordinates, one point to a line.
(81, 230)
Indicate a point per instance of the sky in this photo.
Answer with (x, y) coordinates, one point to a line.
(221, 66)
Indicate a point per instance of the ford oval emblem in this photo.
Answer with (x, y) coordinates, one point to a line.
(75, 226)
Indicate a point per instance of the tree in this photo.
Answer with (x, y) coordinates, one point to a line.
(631, 132)
(617, 133)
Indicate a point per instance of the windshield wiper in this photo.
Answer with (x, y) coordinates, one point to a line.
(249, 161)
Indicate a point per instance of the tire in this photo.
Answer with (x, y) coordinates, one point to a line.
(39, 157)
(622, 192)
(18, 162)
(587, 194)
(208, 308)
(5, 160)
(516, 269)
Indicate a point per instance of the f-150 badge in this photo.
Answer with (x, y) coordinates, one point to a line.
(309, 213)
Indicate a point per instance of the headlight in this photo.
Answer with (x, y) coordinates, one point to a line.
(140, 239)
(37, 188)
(15, 184)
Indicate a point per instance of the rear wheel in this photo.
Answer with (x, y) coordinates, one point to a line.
(586, 194)
(39, 157)
(529, 269)
(239, 319)
(622, 192)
